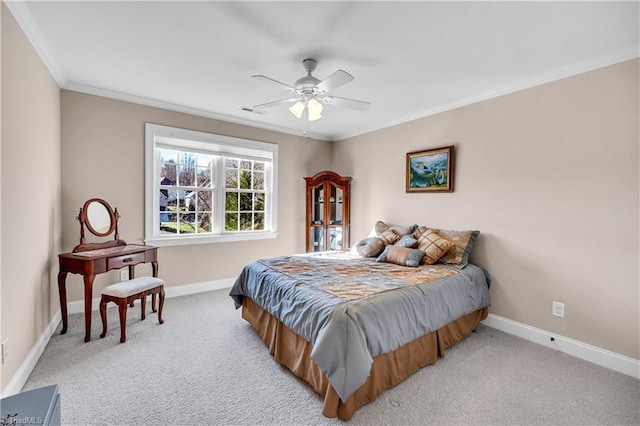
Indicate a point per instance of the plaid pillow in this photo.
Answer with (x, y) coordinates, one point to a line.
(389, 237)
(463, 242)
(433, 246)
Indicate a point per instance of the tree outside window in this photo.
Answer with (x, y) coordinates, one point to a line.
(244, 195)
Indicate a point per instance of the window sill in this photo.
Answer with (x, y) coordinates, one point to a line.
(209, 239)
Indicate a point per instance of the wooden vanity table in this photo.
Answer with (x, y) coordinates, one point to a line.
(91, 259)
(93, 262)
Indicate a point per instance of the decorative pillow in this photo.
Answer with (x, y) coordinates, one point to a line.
(381, 227)
(389, 237)
(419, 231)
(458, 256)
(401, 256)
(368, 247)
(433, 246)
(406, 241)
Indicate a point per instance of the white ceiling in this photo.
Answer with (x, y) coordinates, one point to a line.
(409, 59)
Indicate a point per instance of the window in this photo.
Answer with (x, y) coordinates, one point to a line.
(205, 188)
(244, 195)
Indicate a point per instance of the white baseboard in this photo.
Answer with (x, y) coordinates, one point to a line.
(20, 377)
(18, 380)
(614, 361)
(184, 290)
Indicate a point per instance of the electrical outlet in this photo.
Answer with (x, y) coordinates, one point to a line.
(5, 350)
(557, 309)
(124, 274)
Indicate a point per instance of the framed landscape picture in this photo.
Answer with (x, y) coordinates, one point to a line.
(430, 170)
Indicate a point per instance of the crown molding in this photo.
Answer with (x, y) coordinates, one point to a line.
(619, 56)
(20, 12)
(140, 100)
(613, 58)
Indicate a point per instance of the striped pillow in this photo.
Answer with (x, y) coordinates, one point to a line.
(401, 256)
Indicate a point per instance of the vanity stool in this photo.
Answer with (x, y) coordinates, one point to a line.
(124, 293)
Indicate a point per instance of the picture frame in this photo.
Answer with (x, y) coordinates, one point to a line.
(431, 170)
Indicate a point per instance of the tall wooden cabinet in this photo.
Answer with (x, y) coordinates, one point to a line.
(327, 211)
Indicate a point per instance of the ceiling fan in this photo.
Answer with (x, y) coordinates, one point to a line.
(311, 93)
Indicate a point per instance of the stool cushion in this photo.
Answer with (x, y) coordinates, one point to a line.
(131, 287)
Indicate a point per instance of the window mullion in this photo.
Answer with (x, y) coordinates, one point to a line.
(268, 193)
(219, 196)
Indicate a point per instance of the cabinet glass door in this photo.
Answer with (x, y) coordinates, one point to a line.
(317, 238)
(335, 238)
(317, 205)
(335, 200)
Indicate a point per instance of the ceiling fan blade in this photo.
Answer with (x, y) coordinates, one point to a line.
(272, 81)
(347, 103)
(274, 103)
(336, 79)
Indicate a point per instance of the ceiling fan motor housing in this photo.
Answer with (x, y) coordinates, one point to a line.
(307, 84)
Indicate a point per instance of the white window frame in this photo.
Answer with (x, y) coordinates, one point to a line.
(157, 136)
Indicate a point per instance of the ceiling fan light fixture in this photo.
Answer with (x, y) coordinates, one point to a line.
(314, 110)
(312, 92)
(297, 109)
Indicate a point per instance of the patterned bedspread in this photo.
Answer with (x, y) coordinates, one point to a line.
(352, 309)
(352, 278)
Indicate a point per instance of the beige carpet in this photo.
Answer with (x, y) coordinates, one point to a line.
(205, 365)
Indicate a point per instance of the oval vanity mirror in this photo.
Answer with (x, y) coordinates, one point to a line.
(100, 219)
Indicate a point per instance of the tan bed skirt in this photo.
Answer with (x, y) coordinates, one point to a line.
(389, 369)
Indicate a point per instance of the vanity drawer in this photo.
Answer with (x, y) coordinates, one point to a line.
(125, 260)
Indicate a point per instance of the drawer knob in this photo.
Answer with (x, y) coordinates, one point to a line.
(128, 259)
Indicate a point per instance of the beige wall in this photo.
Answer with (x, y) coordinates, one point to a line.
(549, 176)
(103, 156)
(30, 194)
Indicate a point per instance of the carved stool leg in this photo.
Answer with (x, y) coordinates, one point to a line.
(153, 302)
(161, 303)
(122, 308)
(132, 275)
(143, 305)
(103, 315)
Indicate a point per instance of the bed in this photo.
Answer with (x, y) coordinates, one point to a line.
(353, 326)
